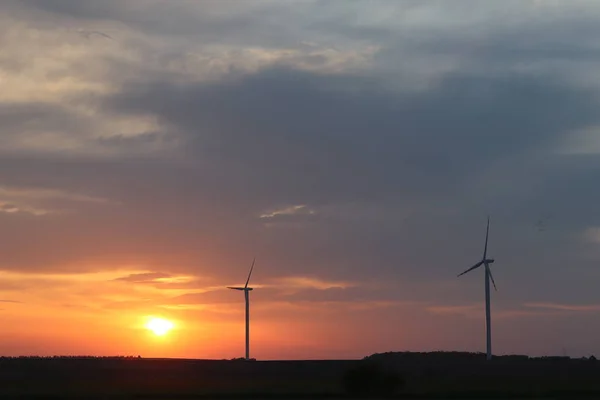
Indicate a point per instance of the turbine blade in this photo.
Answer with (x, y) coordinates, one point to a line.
(472, 268)
(491, 277)
(487, 234)
(251, 268)
(235, 288)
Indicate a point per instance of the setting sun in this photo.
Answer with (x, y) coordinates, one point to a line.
(159, 326)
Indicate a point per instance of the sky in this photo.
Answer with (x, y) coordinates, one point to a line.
(149, 149)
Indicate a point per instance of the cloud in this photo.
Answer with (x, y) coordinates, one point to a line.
(161, 280)
(291, 210)
(145, 277)
(301, 134)
(46, 194)
(301, 138)
(156, 277)
(565, 307)
(356, 157)
(13, 209)
(91, 293)
(357, 146)
(301, 282)
(295, 293)
(41, 201)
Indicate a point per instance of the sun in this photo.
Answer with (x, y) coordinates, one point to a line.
(159, 326)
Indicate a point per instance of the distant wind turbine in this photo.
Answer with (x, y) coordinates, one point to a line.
(488, 276)
(246, 291)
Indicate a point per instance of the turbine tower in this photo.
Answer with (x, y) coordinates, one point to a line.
(246, 291)
(488, 276)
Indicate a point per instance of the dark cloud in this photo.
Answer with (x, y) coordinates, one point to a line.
(290, 137)
(318, 139)
(214, 21)
(23, 119)
(105, 9)
(382, 169)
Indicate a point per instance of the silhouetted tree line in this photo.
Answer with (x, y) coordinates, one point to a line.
(69, 357)
(464, 356)
(376, 376)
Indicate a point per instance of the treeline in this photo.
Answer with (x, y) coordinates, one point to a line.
(441, 374)
(69, 357)
(465, 356)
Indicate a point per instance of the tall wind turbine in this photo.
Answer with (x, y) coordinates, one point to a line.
(488, 276)
(246, 291)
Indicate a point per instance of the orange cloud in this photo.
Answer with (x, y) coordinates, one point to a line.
(303, 282)
(44, 193)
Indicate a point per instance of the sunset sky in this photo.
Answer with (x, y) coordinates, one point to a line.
(149, 149)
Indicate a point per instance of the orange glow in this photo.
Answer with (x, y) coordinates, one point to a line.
(134, 310)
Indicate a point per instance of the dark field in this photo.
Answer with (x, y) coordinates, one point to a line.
(425, 375)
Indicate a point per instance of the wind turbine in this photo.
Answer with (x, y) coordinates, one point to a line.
(246, 291)
(488, 276)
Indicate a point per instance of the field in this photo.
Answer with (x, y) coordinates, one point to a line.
(426, 375)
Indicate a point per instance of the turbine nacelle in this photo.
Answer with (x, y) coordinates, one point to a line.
(489, 261)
